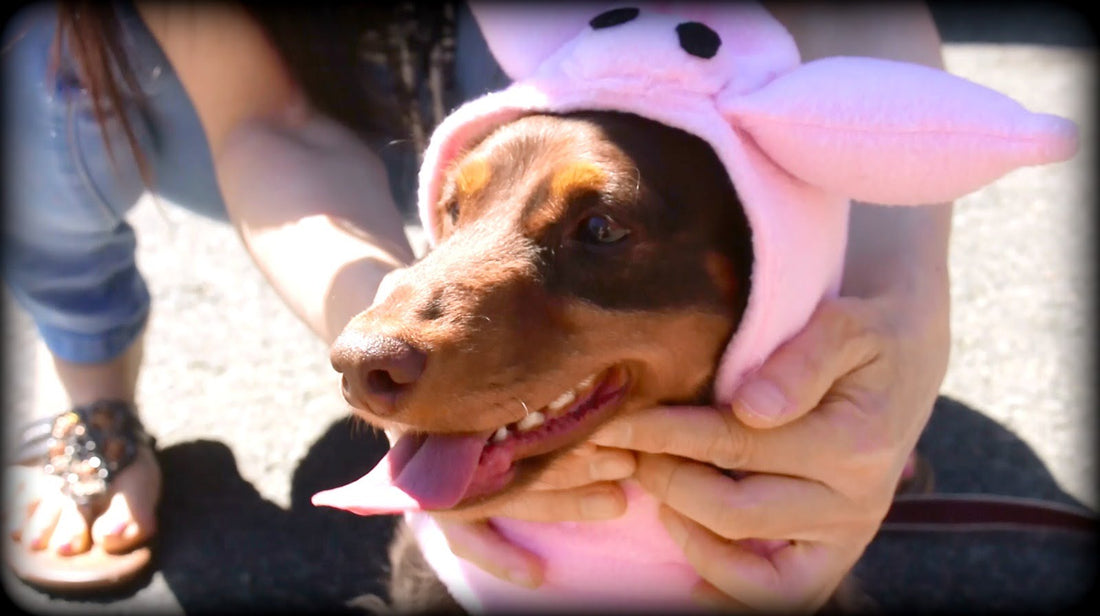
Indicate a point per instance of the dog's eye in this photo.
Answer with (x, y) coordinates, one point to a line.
(601, 229)
(451, 210)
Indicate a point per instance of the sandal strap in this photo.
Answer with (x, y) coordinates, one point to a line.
(86, 446)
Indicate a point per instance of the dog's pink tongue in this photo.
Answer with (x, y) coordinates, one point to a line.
(418, 473)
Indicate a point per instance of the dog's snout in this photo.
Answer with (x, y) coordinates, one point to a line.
(377, 370)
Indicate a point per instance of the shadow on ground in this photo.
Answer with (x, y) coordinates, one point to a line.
(225, 549)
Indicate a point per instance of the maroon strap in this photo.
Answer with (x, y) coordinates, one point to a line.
(978, 512)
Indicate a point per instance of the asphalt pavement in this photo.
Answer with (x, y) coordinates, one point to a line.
(250, 421)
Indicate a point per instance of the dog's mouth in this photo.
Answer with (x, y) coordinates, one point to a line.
(432, 471)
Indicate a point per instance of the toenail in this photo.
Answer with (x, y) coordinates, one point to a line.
(118, 529)
(131, 532)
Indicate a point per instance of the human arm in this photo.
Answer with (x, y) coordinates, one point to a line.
(309, 200)
(303, 193)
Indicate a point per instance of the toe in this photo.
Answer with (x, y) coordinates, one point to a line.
(70, 535)
(42, 521)
(130, 517)
(118, 529)
(24, 490)
(19, 499)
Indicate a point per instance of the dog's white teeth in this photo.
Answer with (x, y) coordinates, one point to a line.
(570, 396)
(561, 401)
(532, 420)
(501, 434)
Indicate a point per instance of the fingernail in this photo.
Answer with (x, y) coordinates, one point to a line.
(599, 506)
(762, 398)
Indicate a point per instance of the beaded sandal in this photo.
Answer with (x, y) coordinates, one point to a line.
(86, 447)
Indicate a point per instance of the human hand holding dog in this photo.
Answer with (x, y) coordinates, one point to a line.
(828, 422)
(579, 486)
(825, 425)
(847, 399)
(851, 394)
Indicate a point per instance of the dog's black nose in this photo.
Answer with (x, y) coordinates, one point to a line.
(378, 370)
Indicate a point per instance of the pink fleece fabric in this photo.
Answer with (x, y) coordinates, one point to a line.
(799, 140)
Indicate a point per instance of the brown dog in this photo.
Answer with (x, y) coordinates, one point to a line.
(589, 264)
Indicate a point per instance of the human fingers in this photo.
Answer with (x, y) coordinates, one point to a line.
(473, 539)
(844, 443)
(575, 487)
(795, 577)
(480, 544)
(602, 500)
(707, 596)
(842, 335)
(586, 464)
(762, 506)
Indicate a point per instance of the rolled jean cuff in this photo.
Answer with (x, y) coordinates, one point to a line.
(81, 348)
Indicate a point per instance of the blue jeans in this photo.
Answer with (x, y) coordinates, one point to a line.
(68, 251)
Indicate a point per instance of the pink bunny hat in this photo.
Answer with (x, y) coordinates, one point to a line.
(800, 142)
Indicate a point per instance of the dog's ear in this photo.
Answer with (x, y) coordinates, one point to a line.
(894, 133)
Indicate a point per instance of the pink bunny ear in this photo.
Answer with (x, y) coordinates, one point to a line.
(894, 133)
(523, 34)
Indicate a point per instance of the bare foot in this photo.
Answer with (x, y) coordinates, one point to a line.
(51, 541)
(38, 515)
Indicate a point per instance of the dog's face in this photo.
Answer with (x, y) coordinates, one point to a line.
(588, 264)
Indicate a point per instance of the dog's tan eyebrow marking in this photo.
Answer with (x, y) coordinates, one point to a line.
(577, 176)
(566, 182)
(552, 197)
(472, 176)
